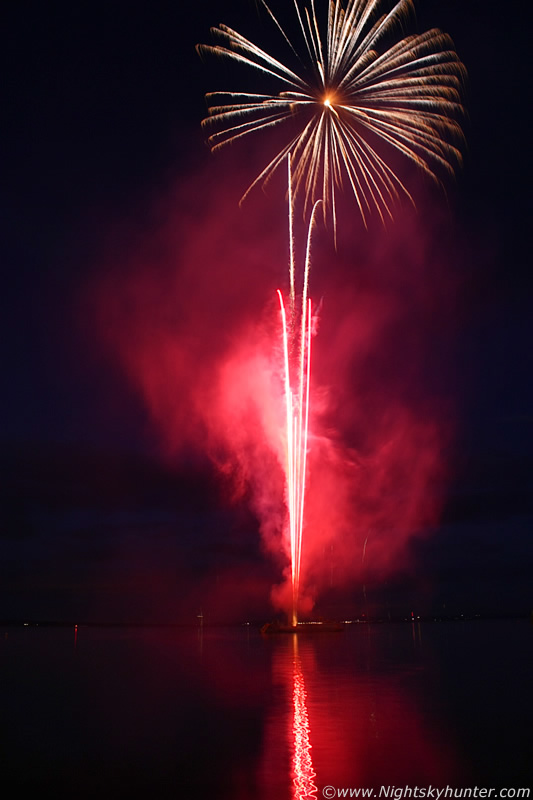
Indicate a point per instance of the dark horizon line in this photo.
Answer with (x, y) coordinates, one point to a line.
(364, 619)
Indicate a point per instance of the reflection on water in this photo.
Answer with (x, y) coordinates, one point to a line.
(302, 762)
(358, 719)
(230, 714)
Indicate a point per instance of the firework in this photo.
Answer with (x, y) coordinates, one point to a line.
(350, 92)
(297, 337)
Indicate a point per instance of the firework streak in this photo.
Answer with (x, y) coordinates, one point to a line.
(297, 367)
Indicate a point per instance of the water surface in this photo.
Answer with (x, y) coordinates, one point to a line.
(226, 713)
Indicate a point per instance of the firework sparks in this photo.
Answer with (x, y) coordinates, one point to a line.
(297, 337)
(354, 91)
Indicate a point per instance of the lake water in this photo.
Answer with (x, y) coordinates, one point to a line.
(227, 713)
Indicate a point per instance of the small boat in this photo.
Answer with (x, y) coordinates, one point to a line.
(302, 627)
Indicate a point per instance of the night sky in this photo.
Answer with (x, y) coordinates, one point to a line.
(109, 515)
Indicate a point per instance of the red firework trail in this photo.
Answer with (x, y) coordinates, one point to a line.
(297, 338)
(297, 404)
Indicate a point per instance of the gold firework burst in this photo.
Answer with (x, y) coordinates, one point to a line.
(355, 90)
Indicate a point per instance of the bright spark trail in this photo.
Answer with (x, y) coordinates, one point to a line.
(297, 339)
(297, 405)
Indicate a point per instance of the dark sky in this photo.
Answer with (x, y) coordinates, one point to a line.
(102, 107)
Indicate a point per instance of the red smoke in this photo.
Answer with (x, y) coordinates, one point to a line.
(193, 318)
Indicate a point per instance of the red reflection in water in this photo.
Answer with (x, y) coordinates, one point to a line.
(302, 762)
(362, 708)
(349, 711)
